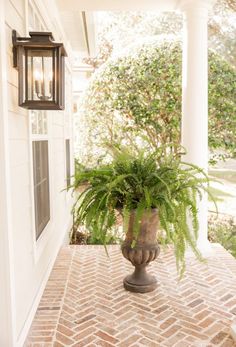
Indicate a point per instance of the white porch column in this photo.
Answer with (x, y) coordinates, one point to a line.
(195, 96)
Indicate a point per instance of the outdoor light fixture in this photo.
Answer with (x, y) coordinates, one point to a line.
(41, 71)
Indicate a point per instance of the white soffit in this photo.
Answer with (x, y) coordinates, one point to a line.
(117, 5)
(73, 27)
(80, 31)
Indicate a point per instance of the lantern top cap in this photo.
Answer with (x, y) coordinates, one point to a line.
(37, 39)
(41, 36)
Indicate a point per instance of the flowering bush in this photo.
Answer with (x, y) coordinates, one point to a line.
(135, 99)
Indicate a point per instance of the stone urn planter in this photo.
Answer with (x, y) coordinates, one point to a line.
(133, 181)
(146, 249)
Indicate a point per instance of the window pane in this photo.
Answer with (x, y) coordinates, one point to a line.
(39, 122)
(45, 125)
(41, 185)
(33, 122)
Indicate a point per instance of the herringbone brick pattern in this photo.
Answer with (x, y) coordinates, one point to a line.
(84, 303)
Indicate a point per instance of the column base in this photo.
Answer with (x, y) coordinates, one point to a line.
(233, 330)
(204, 247)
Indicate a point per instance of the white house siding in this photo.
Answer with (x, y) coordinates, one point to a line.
(33, 260)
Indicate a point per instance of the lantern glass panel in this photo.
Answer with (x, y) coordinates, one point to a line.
(39, 75)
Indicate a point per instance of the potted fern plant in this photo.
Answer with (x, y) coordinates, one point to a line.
(152, 191)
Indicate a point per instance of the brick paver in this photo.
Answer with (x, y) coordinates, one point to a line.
(85, 304)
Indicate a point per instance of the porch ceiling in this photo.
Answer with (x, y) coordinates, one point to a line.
(79, 27)
(111, 5)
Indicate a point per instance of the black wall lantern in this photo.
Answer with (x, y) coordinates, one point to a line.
(41, 67)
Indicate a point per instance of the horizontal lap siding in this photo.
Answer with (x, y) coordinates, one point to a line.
(30, 263)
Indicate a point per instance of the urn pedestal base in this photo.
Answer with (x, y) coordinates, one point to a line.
(140, 281)
(146, 249)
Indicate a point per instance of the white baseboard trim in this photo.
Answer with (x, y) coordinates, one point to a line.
(29, 320)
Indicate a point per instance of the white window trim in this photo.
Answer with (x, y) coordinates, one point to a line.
(40, 243)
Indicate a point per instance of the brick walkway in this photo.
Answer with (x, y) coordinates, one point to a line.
(84, 303)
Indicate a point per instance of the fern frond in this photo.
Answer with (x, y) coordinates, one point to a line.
(143, 181)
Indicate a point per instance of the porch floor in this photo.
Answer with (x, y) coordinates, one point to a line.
(85, 304)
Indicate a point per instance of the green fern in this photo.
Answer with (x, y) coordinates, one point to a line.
(142, 182)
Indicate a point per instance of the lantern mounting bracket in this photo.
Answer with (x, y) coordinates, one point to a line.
(15, 37)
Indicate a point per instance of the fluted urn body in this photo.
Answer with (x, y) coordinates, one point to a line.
(146, 249)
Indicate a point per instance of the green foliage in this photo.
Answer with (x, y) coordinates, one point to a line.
(135, 100)
(223, 232)
(222, 30)
(222, 104)
(141, 181)
(93, 240)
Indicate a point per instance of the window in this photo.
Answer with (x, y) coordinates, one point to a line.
(41, 189)
(68, 169)
(41, 185)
